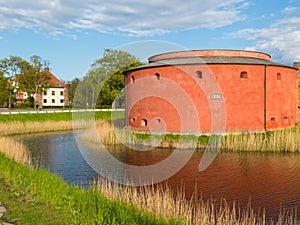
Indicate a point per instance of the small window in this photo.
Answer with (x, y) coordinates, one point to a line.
(57, 84)
(53, 93)
(244, 75)
(278, 76)
(62, 101)
(273, 119)
(157, 76)
(133, 120)
(45, 92)
(53, 100)
(158, 120)
(132, 79)
(61, 93)
(143, 122)
(199, 74)
(45, 100)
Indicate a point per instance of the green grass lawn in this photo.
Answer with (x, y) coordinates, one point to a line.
(37, 197)
(25, 208)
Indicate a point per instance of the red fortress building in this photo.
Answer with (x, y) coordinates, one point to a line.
(211, 90)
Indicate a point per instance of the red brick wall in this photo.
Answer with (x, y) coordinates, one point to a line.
(172, 98)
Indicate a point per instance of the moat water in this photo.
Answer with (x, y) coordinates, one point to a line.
(271, 181)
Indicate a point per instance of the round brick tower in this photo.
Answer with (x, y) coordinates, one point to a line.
(209, 91)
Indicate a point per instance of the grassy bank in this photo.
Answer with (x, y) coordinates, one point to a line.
(71, 204)
(66, 116)
(285, 140)
(12, 124)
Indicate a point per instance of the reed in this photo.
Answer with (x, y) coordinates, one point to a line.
(286, 140)
(33, 127)
(161, 201)
(15, 150)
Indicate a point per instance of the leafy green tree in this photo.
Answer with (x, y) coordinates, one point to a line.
(4, 90)
(10, 67)
(34, 77)
(72, 89)
(105, 79)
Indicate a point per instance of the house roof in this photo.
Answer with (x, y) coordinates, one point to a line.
(210, 60)
(54, 81)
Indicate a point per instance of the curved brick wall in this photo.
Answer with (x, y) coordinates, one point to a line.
(230, 97)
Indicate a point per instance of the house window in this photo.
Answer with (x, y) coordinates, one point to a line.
(199, 74)
(53, 93)
(273, 119)
(45, 100)
(61, 93)
(57, 84)
(143, 122)
(53, 100)
(244, 75)
(62, 101)
(278, 76)
(157, 76)
(45, 92)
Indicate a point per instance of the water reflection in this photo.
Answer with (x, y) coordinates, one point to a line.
(270, 180)
(59, 153)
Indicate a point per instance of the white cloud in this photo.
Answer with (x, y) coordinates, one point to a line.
(134, 17)
(290, 9)
(281, 40)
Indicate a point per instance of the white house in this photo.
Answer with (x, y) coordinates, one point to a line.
(56, 95)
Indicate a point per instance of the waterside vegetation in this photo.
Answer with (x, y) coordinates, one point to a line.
(107, 203)
(285, 140)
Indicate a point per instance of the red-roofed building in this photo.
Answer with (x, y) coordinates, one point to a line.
(56, 95)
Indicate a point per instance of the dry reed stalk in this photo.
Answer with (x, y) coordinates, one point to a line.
(161, 201)
(276, 141)
(15, 150)
(36, 127)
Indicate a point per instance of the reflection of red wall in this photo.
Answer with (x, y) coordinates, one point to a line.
(261, 101)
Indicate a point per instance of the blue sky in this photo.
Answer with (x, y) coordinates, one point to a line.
(71, 34)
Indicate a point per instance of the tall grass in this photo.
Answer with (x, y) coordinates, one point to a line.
(15, 150)
(163, 202)
(33, 127)
(286, 140)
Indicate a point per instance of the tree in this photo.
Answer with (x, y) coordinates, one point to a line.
(106, 77)
(34, 77)
(4, 90)
(72, 89)
(10, 67)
